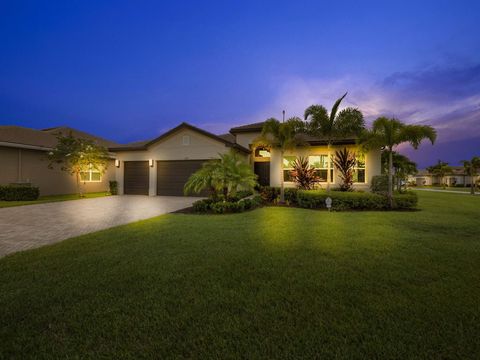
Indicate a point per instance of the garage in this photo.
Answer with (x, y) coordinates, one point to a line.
(136, 178)
(172, 176)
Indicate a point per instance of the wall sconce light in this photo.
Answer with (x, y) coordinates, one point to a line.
(150, 162)
(117, 163)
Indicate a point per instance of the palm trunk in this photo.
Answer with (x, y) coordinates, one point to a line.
(328, 167)
(472, 185)
(282, 190)
(390, 178)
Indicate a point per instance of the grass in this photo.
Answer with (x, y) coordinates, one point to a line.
(52, 198)
(271, 283)
(449, 188)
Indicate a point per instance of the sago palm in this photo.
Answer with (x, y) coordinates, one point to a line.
(348, 122)
(388, 133)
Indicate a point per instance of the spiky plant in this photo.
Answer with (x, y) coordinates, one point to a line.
(345, 161)
(303, 174)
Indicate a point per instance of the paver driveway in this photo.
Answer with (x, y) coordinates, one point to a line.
(27, 227)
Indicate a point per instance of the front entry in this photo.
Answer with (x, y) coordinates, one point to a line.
(262, 170)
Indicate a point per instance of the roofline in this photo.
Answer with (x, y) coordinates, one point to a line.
(175, 129)
(248, 130)
(24, 146)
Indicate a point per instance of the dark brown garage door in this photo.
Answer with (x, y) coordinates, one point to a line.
(136, 178)
(172, 176)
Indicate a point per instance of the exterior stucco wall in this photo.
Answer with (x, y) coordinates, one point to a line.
(246, 139)
(201, 147)
(372, 165)
(31, 166)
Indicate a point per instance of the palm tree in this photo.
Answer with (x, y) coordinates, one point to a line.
(282, 136)
(388, 133)
(440, 169)
(471, 168)
(223, 176)
(348, 122)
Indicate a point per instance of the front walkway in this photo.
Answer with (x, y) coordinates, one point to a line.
(32, 226)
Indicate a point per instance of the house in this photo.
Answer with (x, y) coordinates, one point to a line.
(457, 177)
(162, 165)
(23, 160)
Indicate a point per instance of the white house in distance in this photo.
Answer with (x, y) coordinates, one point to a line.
(457, 177)
(161, 166)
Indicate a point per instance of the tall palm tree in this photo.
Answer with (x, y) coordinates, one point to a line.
(471, 168)
(348, 122)
(388, 133)
(282, 136)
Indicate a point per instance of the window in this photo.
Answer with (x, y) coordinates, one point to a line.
(262, 152)
(359, 169)
(320, 163)
(186, 140)
(91, 175)
(288, 167)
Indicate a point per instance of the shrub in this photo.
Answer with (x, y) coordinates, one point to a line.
(251, 203)
(354, 200)
(113, 187)
(291, 195)
(303, 174)
(345, 161)
(225, 207)
(269, 194)
(19, 193)
(379, 184)
(203, 206)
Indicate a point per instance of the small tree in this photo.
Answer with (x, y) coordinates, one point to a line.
(303, 174)
(440, 169)
(224, 176)
(345, 161)
(471, 168)
(77, 155)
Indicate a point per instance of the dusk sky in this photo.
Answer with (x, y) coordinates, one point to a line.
(130, 70)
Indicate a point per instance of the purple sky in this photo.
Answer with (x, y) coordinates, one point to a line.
(129, 70)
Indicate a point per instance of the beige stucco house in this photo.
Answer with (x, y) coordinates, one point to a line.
(161, 166)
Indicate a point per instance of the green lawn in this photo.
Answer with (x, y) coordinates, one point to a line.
(53, 198)
(449, 188)
(271, 283)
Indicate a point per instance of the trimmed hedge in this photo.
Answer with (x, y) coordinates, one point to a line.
(226, 207)
(315, 199)
(19, 193)
(113, 187)
(272, 194)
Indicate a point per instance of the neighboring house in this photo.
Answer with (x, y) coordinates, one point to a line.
(23, 160)
(457, 177)
(161, 166)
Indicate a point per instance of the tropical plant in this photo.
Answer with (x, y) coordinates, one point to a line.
(348, 122)
(282, 136)
(402, 167)
(440, 169)
(222, 177)
(303, 174)
(471, 168)
(388, 133)
(345, 161)
(77, 155)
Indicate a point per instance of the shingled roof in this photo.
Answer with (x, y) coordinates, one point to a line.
(18, 136)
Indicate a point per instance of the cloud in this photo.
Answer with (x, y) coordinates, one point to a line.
(448, 99)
